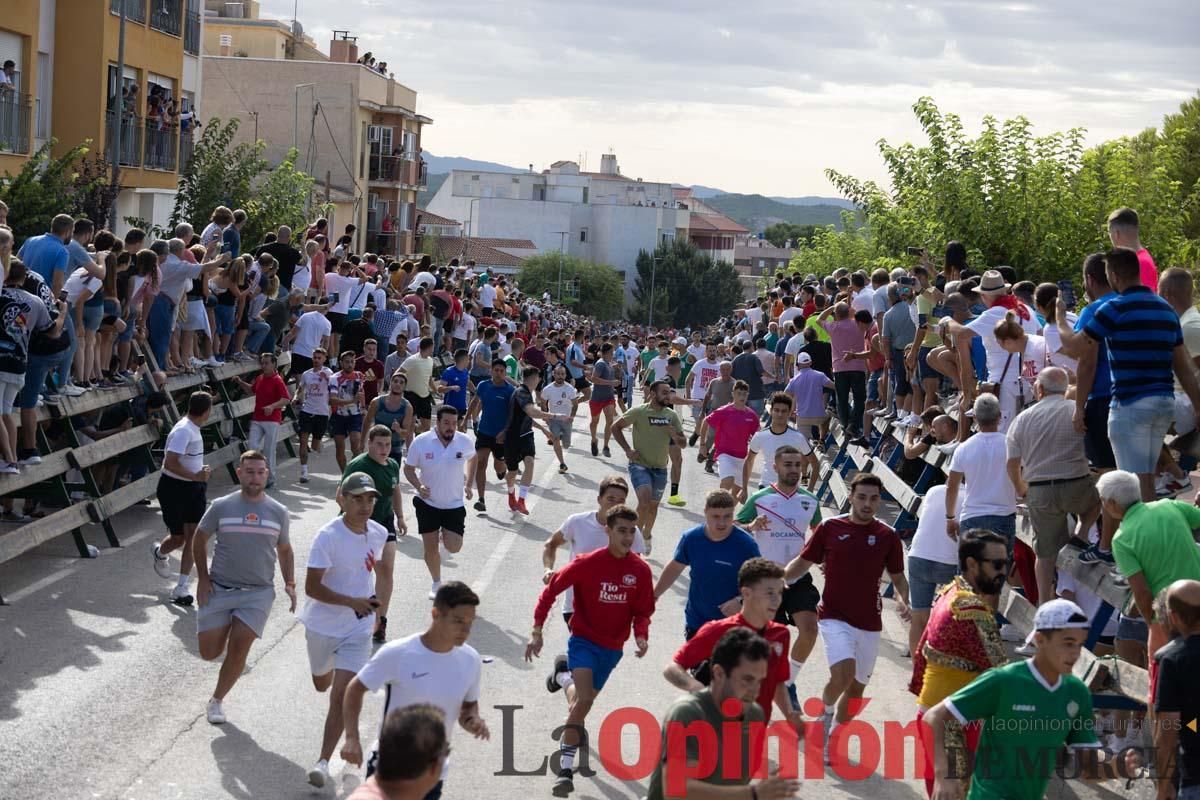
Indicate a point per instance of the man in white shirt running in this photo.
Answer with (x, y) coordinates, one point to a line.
(777, 434)
(436, 667)
(182, 492)
(559, 399)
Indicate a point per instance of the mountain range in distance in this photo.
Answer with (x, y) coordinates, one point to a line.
(755, 211)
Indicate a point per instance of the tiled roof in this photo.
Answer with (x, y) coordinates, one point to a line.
(714, 222)
(429, 218)
(484, 250)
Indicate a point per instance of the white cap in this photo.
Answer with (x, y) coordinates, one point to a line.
(1059, 614)
(679, 341)
(804, 358)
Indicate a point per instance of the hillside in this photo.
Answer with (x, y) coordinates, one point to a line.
(758, 213)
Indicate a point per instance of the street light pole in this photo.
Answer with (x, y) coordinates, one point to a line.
(119, 111)
(562, 246)
(653, 274)
(296, 114)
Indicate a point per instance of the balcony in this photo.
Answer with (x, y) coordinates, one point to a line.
(130, 128)
(135, 10)
(167, 16)
(191, 34)
(187, 148)
(16, 117)
(423, 176)
(388, 169)
(161, 147)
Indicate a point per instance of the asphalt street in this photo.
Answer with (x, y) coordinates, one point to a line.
(102, 692)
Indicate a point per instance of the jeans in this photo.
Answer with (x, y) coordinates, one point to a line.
(159, 323)
(263, 437)
(260, 334)
(1003, 524)
(36, 371)
(1136, 429)
(68, 355)
(847, 385)
(758, 405)
(439, 330)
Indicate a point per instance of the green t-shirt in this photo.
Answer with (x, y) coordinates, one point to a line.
(927, 309)
(1025, 724)
(652, 433)
(386, 477)
(772, 341)
(1155, 539)
(822, 334)
(699, 707)
(512, 368)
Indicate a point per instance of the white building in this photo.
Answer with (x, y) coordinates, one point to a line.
(603, 216)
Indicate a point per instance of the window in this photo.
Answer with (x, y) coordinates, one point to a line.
(762, 263)
(539, 193)
(583, 233)
(585, 195)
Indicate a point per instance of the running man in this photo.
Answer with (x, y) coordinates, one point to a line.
(779, 517)
(518, 438)
(779, 434)
(347, 398)
(558, 398)
(733, 426)
(439, 463)
(182, 493)
(655, 426)
(493, 396)
(436, 667)
(312, 395)
(854, 549)
(587, 532)
(388, 512)
(604, 397)
(234, 598)
(703, 372)
(339, 614)
(613, 592)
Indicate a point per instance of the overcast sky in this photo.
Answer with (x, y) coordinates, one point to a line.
(761, 95)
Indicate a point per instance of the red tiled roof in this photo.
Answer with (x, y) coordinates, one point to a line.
(714, 222)
(429, 218)
(683, 192)
(484, 250)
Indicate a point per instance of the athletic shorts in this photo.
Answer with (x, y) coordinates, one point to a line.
(597, 406)
(845, 642)
(337, 322)
(561, 430)
(582, 654)
(653, 477)
(300, 364)
(251, 606)
(485, 442)
(422, 406)
(431, 519)
(345, 424)
(182, 502)
(517, 449)
(316, 424)
(924, 371)
(327, 653)
(730, 467)
(390, 526)
(798, 597)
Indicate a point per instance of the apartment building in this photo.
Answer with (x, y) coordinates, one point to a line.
(709, 229)
(236, 29)
(67, 86)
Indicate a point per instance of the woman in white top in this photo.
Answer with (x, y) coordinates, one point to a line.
(302, 277)
(1046, 300)
(1027, 357)
(80, 287)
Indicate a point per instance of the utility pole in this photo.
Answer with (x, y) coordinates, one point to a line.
(653, 274)
(119, 111)
(562, 246)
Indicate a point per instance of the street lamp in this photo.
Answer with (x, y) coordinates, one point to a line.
(653, 273)
(312, 87)
(562, 246)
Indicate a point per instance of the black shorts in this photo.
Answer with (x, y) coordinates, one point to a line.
(345, 424)
(316, 424)
(517, 449)
(800, 596)
(390, 526)
(567, 617)
(299, 365)
(422, 406)
(431, 520)
(485, 442)
(182, 502)
(337, 323)
(1095, 441)
(581, 383)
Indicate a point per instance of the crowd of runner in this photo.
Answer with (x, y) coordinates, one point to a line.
(440, 378)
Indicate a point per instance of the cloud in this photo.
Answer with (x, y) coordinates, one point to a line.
(762, 96)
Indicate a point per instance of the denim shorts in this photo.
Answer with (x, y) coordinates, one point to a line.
(924, 371)
(924, 577)
(1003, 524)
(873, 386)
(224, 319)
(1136, 430)
(1133, 629)
(653, 477)
(93, 315)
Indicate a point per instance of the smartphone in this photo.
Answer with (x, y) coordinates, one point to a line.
(62, 295)
(374, 604)
(333, 298)
(915, 251)
(1067, 290)
(141, 360)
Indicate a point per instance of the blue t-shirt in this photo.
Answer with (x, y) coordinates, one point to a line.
(575, 353)
(1142, 331)
(44, 255)
(714, 569)
(1102, 383)
(493, 401)
(453, 376)
(231, 238)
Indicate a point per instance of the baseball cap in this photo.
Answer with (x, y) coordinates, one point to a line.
(803, 358)
(358, 483)
(1059, 614)
(680, 341)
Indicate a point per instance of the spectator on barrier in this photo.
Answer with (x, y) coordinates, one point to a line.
(1123, 231)
(937, 430)
(1176, 288)
(1153, 547)
(1047, 466)
(990, 502)
(849, 370)
(896, 337)
(102, 424)
(1028, 355)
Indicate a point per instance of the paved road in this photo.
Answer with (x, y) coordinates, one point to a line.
(102, 693)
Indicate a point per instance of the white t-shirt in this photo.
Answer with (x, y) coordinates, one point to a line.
(487, 295)
(464, 329)
(81, 279)
(766, 443)
(185, 441)
(559, 398)
(316, 391)
(705, 371)
(984, 325)
(930, 542)
(311, 328)
(441, 466)
(753, 316)
(212, 233)
(789, 314)
(584, 533)
(415, 674)
(657, 369)
(425, 279)
(697, 351)
(794, 344)
(982, 460)
(349, 560)
(1054, 344)
(344, 285)
(864, 300)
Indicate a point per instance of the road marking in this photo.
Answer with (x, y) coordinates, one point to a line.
(506, 543)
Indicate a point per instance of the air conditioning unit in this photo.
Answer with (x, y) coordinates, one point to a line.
(235, 10)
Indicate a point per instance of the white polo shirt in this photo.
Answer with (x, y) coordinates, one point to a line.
(442, 466)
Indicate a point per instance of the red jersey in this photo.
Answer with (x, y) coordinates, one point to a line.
(372, 374)
(700, 647)
(611, 594)
(732, 428)
(854, 557)
(267, 391)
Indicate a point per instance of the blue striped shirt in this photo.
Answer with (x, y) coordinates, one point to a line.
(1141, 331)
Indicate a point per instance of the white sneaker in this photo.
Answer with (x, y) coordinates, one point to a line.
(195, 362)
(1010, 634)
(1027, 649)
(71, 390)
(214, 712)
(914, 420)
(162, 564)
(9, 468)
(433, 589)
(319, 774)
(181, 596)
(211, 361)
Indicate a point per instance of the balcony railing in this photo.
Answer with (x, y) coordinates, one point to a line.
(41, 115)
(161, 147)
(167, 16)
(16, 113)
(135, 10)
(187, 147)
(423, 175)
(191, 33)
(393, 169)
(131, 138)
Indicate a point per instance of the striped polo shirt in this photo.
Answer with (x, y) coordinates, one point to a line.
(1141, 331)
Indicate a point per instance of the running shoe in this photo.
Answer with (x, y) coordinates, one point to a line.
(162, 564)
(708, 467)
(595, 448)
(521, 507)
(214, 712)
(607, 453)
(433, 589)
(562, 467)
(1026, 649)
(692, 439)
(71, 390)
(319, 774)
(9, 468)
(480, 506)
(180, 596)
(560, 666)
(1009, 633)
(676, 500)
(563, 785)
(1094, 555)
(647, 553)
(380, 635)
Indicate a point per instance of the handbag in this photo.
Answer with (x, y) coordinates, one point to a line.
(993, 387)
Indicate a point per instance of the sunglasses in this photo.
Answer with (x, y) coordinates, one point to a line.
(998, 564)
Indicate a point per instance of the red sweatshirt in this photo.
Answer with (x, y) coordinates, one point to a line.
(610, 594)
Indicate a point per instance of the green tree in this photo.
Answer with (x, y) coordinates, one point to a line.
(690, 288)
(279, 198)
(600, 295)
(74, 183)
(220, 174)
(781, 233)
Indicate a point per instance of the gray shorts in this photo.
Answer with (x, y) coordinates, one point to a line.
(327, 653)
(251, 606)
(561, 430)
